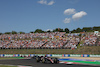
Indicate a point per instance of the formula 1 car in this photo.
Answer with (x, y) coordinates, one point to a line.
(45, 59)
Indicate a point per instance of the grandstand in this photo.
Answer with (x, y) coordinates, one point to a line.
(53, 40)
(50, 43)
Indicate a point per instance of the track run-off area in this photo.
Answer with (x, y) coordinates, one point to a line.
(33, 63)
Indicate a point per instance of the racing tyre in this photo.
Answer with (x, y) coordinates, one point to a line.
(43, 60)
(56, 60)
(38, 59)
(34, 57)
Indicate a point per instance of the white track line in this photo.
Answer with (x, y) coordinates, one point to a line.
(15, 65)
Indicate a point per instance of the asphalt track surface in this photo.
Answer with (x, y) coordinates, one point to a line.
(33, 63)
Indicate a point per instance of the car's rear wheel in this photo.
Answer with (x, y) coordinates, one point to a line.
(38, 59)
(56, 60)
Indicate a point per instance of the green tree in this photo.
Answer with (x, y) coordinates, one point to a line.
(48, 31)
(0, 33)
(22, 32)
(96, 28)
(87, 29)
(78, 30)
(73, 31)
(39, 31)
(58, 30)
(7, 32)
(66, 30)
(31, 32)
(14, 32)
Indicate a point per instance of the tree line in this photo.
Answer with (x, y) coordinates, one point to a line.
(84, 29)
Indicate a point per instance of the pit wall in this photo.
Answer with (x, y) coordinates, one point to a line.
(49, 55)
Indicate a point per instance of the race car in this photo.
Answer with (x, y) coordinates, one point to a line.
(45, 59)
(35, 56)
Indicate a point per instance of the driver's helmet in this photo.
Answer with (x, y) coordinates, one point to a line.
(45, 55)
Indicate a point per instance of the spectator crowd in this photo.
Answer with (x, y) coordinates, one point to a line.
(47, 40)
(89, 40)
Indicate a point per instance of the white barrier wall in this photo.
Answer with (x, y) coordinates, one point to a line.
(50, 55)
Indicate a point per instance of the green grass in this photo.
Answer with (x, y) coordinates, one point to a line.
(81, 42)
(7, 66)
(80, 50)
(86, 62)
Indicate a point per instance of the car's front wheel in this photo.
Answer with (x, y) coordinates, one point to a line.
(43, 60)
(56, 60)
